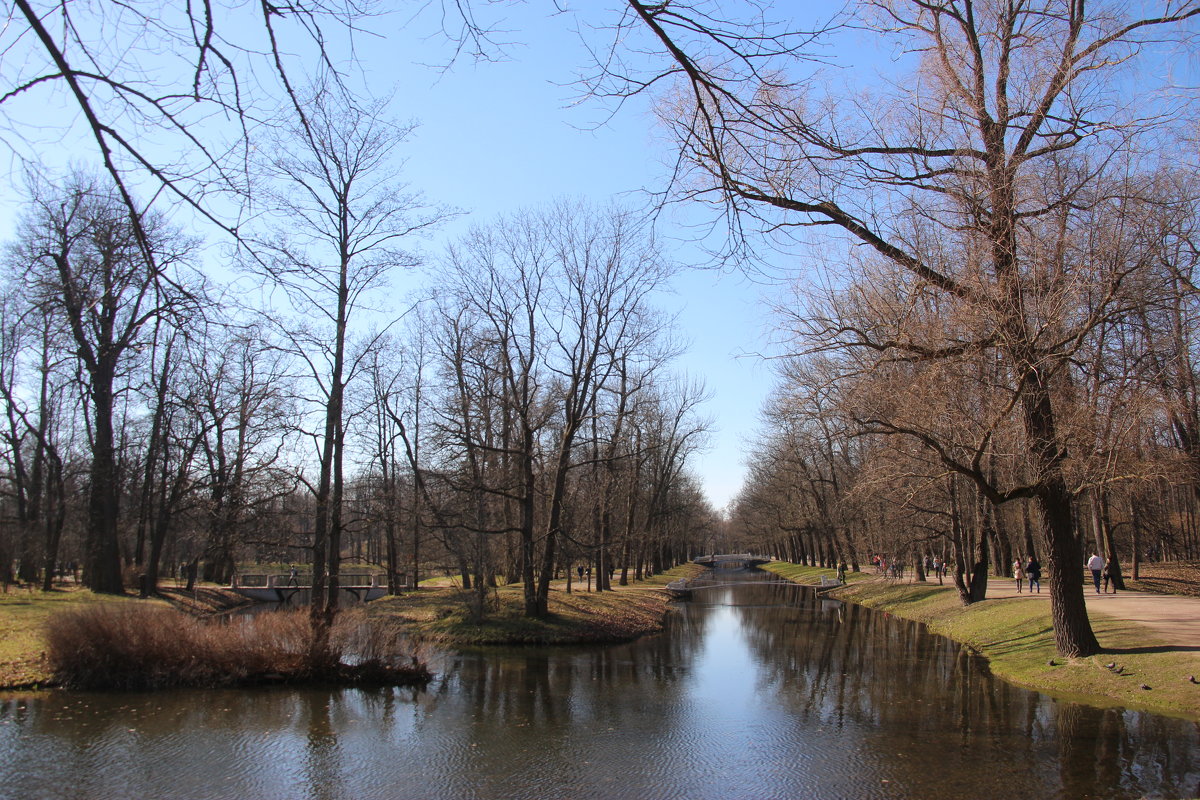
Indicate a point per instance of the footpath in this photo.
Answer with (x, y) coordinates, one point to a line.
(1173, 618)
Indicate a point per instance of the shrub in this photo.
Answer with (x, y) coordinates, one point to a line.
(137, 646)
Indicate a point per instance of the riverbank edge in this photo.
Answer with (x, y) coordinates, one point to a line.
(437, 616)
(1016, 637)
(579, 617)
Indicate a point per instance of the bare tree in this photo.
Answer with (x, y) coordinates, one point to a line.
(1010, 123)
(83, 262)
(32, 386)
(239, 395)
(396, 405)
(609, 267)
(165, 94)
(548, 305)
(491, 344)
(340, 219)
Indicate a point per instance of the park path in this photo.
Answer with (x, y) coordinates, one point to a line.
(1174, 618)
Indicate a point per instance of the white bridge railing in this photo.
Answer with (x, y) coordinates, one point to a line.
(300, 580)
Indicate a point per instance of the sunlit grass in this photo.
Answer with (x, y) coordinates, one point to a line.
(444, 615)
(801, 573)
(1016, 636)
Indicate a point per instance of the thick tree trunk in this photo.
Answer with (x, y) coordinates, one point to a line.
(1108, 541)
(102, 558)
(392, 556)
(980, 569)
(528, 552)
(56, 516)
(962, 548)
(1073, 633)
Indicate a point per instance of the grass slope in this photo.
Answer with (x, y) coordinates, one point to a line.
(1016, 636)
(434, 614)
(441, 615)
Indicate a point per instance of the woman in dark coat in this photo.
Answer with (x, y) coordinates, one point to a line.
(1033, 571)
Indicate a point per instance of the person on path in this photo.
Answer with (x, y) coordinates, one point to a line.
(1096, 565)
(1033, 570)
(1019, 574)
(1110, 574)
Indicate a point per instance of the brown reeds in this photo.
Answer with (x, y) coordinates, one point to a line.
(136, 646)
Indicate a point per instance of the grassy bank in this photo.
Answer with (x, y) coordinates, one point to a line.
(801, 573)
(1016, 636)
(438, 615)
(581, 617)
(24, 615)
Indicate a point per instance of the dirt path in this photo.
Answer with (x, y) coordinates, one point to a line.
(1176, 619)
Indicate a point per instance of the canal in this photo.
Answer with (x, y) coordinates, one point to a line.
(755, 690)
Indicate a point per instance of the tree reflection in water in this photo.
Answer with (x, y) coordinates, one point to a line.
(755, 691)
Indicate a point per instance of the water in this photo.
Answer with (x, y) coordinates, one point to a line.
(755, 691)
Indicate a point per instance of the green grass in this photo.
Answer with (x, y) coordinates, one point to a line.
(810, 575)
(1016, 636)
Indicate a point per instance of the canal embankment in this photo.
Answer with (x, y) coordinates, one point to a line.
(1144, 666)
(626, 613)
(441, 616)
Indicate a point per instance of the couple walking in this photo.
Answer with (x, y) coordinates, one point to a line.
(1103, 570)
(1031, 569)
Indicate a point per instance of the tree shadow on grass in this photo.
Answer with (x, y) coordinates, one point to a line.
(1012, 644)
(1162, 648)
(914, 593)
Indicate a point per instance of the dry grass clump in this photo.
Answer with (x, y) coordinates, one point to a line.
(134, 646)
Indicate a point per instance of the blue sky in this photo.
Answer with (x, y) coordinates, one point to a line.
(499, 136)
(496, 137)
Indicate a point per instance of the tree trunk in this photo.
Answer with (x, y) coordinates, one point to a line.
(102, 559)
(1073, 633)
(961, 546)
(1112, 563)
(55, 517)
(528, 552)
(979, 570)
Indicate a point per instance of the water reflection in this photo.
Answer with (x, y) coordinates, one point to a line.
(754, 691)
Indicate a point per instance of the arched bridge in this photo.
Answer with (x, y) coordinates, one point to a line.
(683, 587)
(296, 588)
(732, 561)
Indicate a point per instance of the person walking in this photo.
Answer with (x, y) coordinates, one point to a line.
(1110, 574)
(1096, 565)
(1019, 574)
(1033, 571)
